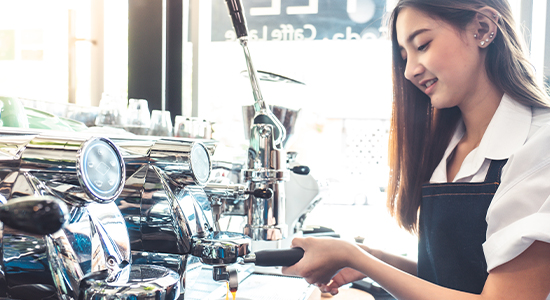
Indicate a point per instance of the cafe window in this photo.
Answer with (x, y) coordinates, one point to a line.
(339, 50)
(330, 60)
(58, 51)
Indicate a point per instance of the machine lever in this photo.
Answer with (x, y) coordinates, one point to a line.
(276, 257)
(261, 193)
(35, 215)
(237, 17)
(300, 170)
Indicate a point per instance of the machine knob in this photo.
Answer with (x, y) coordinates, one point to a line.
(301, 170)
(36, 215)
(261, 193)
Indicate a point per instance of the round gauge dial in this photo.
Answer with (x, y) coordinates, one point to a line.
(101, 170)
(200, 163)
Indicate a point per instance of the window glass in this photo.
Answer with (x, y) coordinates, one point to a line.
(33, 49)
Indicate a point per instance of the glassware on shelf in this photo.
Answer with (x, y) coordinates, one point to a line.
(112, 109)
(192, 128)
(161, 123)
(138, 118)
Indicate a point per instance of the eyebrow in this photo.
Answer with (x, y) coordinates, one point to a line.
(414, 34)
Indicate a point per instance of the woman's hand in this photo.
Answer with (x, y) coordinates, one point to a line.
(345, 276)
(323, 258)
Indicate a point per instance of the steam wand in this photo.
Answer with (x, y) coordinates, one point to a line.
(263, 113)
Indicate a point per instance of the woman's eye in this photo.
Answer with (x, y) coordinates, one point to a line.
(423, 47)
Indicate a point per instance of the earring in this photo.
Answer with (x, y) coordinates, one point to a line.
(475, 36)
(482, 43)
(491, 35)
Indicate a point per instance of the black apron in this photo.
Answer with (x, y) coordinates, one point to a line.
(452, 229)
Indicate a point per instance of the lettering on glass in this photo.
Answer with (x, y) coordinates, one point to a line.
(311, 9)
(273, 10)
(303, 20)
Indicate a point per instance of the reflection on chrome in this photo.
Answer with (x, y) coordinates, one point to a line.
(90, 257)
(167, 212)
(135, 206)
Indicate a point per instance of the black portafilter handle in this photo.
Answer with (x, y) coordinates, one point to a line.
(276, 257)
(39, 215)
(237, 17)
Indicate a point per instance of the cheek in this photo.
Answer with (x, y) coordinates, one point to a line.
(454, 63)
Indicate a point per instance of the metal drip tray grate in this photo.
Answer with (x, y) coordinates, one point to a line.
(255, 286)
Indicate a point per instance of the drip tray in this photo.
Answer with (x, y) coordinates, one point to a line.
(254, 286)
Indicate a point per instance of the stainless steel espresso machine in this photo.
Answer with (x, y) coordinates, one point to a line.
(268, 221)
(143, 214)
(90, 257)
(140, 220)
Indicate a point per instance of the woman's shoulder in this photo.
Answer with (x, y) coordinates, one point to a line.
(518, 214)
(541, 116)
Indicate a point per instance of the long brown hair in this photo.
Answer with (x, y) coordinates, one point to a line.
(419, 133)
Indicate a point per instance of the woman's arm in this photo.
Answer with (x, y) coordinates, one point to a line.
(525, 277)
(397, 261)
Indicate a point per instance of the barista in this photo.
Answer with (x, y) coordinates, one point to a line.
(470, 166)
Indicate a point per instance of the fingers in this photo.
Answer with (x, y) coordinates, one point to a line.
(294, 270)
(326, 289)
(297, 242)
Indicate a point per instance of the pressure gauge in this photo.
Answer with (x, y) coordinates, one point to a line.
(101, 170)
(200, 163)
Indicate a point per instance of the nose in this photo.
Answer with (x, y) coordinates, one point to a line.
(413, 68)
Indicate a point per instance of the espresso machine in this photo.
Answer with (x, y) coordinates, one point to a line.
(143, 212)
(270, 222)
(90, 256)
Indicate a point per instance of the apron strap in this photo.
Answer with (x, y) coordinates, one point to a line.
(495, 170)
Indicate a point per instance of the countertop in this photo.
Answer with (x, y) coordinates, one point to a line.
(270, 287)
(343, 294)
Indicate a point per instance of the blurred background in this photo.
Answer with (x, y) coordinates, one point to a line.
(333, 58)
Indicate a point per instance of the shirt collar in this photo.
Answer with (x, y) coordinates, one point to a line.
(506, 133)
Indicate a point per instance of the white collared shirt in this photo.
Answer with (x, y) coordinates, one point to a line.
(519, 213)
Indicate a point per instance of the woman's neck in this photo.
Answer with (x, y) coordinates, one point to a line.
(477, 113)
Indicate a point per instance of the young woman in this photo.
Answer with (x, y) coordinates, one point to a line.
(470, 163)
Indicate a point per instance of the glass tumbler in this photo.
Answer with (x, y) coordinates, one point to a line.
(161, 123)
(111, 111)
(138, 118)
(180, 126)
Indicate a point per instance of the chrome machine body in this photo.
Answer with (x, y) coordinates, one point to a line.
(266, 166)
(90, 257)
(168, 213)
(266, 163)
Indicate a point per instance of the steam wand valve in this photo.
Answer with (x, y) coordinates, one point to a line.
(219, 196)
(261, 193)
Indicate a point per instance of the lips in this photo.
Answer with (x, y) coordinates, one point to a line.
(428, 84)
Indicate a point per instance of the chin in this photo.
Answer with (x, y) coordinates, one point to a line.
(441, 103)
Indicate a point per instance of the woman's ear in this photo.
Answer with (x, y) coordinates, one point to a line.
(485, 26)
